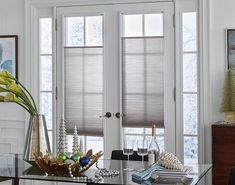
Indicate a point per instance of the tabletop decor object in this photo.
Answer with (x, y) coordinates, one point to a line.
(103, 172)
(62, 138)
(57, 166)
(228, 101)
(146, 174)
(170, 161)
(37, 140)
(76, 147)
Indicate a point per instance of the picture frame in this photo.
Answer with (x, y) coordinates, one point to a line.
(9, 54)
(230, 49)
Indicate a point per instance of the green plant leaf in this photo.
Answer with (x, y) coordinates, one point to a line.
(15, 88)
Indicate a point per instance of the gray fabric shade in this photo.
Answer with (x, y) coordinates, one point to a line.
(142, 82)
(83, 83)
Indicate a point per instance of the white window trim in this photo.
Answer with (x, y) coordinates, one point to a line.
(183, 6)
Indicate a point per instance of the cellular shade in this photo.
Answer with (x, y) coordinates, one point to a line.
(142, 82)
(83, 82)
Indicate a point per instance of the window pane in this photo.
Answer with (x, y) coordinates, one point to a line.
(46, 73)
(190, 150)
(189, 31)
(46, 108)
(45, 35)
(94, 31)
(189, 72)
(153, 24)
(133, 130)
(160, 142)
(50, 139)
(190, 113)
(133, 25)
(159, 131)
(134, 139)
(95, 143)
(74, 31)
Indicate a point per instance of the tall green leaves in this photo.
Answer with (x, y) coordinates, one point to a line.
(228, 101)
(14, 91)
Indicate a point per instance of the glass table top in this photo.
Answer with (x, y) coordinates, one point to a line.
(13, 167)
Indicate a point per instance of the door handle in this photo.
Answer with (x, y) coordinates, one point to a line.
(107, 115)
(118, 115)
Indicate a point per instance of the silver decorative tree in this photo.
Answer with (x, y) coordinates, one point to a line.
(62, 140)
(75, 141)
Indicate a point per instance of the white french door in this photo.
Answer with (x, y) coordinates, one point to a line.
(93, 68)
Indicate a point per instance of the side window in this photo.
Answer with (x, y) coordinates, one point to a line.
(190, 86)
(46, 73)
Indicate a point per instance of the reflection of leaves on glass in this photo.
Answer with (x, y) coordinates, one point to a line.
(46, 35)
(75, 30)
(190, 150)
(189, 31)
(46, 106)
(46, 73)
(97, 38)
(190, 114)
(94, 31)
(191, 36)
(190, 73)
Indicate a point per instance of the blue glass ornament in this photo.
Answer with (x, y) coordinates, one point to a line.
(84, 161)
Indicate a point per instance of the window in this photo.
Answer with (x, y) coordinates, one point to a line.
(83, 79)
(46, 72)
(190, 86)
(134, 23)
(142, 76)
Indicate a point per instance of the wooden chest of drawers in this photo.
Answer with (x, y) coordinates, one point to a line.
(223, 152)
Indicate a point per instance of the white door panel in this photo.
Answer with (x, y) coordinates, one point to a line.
(112, 87)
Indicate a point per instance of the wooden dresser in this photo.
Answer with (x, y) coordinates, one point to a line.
(223, 152)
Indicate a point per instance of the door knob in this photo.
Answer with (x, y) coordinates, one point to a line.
(108, 114)
(118, 115)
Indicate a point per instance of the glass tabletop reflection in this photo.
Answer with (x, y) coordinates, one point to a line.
(13, 167)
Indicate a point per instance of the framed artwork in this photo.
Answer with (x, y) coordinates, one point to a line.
(9, 54)
(230, 35)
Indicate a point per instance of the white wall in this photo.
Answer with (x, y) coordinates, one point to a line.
(222, 17)
(12, 117)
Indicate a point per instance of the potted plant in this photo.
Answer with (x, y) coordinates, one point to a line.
(37, 140)
(228, 101)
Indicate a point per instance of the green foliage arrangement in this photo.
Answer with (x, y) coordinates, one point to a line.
(13, 91)
(228, 101)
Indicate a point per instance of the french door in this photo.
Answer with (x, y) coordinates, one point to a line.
(115, 69)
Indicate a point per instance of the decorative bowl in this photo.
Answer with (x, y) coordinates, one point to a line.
(53, 165)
